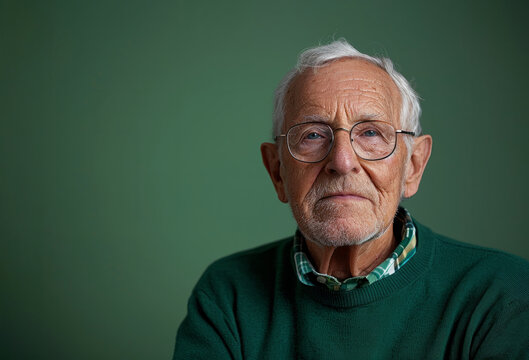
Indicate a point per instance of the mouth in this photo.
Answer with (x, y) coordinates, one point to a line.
(343, 196)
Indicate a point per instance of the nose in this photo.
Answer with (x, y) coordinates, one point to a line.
(342, 159)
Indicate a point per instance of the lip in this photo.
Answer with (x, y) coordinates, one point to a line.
(343, 196)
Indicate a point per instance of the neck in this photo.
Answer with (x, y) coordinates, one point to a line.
(355, 260)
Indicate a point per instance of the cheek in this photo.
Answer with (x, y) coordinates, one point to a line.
(299, 179)
(387, 178)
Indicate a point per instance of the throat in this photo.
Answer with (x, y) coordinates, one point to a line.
(351, 261)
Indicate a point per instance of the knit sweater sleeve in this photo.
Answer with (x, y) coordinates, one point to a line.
(506, 334)
(206, 332)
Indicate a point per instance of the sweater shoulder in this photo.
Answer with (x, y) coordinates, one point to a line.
(449, 247)
(253, 267)
(478, 265)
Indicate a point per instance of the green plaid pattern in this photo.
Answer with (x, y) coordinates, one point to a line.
(308, 275)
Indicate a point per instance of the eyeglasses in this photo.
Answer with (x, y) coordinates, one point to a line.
(371, 140)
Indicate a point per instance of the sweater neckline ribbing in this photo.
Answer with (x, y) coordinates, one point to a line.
(414, 269)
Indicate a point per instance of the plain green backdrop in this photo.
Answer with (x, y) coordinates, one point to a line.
(129, 148)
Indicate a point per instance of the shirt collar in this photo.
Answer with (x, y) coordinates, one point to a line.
(308, 275)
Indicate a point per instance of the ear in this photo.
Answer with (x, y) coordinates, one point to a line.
(270, 154)
(422, 148)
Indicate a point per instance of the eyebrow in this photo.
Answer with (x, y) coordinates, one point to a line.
(318, 118)
(325, 119)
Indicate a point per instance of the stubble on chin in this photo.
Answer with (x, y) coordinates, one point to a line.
(329, 223)
(327, 229)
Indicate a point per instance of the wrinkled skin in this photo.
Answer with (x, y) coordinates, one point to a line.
(344, 200)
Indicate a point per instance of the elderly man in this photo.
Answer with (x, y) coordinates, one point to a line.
(360, 278)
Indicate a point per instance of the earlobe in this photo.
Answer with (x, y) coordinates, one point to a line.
(272, 163)
(422, 148)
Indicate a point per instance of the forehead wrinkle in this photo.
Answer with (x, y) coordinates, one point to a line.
(376, 81)
(324, 92)
(370, 102)
(367, 80)
(370, 112)
(359, 95)
(355, 89)
(360, 106)
(358, 89)
(355, 79)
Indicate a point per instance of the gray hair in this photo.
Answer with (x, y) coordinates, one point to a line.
(321, 55)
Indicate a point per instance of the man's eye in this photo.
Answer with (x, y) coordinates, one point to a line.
(313, 136)
(370, 133)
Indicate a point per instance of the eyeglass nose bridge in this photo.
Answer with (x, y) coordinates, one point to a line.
(344, 129)
(333, 140)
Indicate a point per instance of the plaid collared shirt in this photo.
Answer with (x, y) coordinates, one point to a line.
(308, 275)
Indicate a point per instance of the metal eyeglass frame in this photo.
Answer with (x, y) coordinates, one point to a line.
(350, 131)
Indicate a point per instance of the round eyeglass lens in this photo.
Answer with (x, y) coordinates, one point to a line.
(373, 140)
(310, 142)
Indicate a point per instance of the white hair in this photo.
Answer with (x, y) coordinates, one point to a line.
(321, 55)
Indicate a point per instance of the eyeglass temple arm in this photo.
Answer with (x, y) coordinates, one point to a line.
(412, 133)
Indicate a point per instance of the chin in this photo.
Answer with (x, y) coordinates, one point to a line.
(338, 231)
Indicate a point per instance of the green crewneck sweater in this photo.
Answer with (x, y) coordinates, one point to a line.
(450, 301)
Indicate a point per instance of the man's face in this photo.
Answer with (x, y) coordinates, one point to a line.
(343, 200)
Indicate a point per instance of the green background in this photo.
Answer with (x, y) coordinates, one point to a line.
(129, 148)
